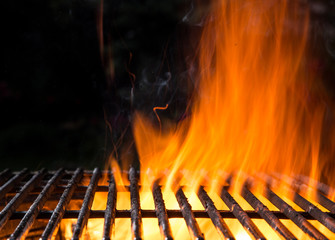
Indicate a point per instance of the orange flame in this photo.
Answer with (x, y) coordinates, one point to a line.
(256, 109)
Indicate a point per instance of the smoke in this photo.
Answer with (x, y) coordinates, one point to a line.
(329, 35)
(197, 13)
(323, 24)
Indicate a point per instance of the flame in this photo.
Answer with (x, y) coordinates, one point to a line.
(256, 108)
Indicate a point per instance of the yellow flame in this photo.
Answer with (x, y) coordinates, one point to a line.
(256, 108)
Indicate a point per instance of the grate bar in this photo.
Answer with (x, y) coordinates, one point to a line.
(302, 202)
(325, 202)
(60, 187)
(315, 212)
(319, 197)
(12, 182)
(4, 175)
(188, 215)
(152, 214)
(241, 215)
(266, 214)
(161, 213)
(59, 211)
(87, 204)
(136, 214)
(214, 214)
(19, 197)
(110, 209)
(297, 218)
(22, 229)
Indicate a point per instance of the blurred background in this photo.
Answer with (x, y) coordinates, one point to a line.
(74, 71)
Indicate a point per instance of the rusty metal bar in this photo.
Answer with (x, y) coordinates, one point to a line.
(297, 218)
(188, 215)
(12, 182)
(136, 214)
(241, 215)
(59, 211)
(19, 197)
(22, 229)
(87, 204)
(325, 202)
(266, 214)
(161, 213)
(61, 188)
(4, 172)
(319, 197)
(314, 211)
(4, 176)
(110, 209)
(152, 214)
(214, 214)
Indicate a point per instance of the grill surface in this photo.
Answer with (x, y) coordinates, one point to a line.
(33, 205)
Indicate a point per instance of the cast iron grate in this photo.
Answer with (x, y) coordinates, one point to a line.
(35, 189)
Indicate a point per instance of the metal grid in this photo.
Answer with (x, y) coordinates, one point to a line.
(36, 188)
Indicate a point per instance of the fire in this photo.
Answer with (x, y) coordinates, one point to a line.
(256, 108)
(255, 105)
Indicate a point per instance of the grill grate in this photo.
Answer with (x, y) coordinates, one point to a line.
(39, 189)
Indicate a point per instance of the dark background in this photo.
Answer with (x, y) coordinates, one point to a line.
(55, 89)
(58, 98)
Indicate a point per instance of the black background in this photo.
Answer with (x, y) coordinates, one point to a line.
(54, 91)
(56, 94)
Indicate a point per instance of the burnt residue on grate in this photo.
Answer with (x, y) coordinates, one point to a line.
(240, 214)
(266, 214)
(188, 215)
(136, 215)
(46, 197)
(214, 214)
(15, 202)
(22, 229)
(110, 210)
(64, 200)
(87, 204)
(297, 218)
(161, 213)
